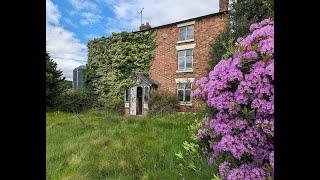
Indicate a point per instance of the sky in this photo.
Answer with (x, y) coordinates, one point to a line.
(71, 24)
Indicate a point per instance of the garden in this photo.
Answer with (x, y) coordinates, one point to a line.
(101, 145)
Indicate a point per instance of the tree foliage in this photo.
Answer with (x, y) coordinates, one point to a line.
(112, 60)
(54, 81)
(67, 84)
(75, 100)
(242, 13)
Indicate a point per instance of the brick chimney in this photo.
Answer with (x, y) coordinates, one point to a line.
(223, 5)
(144, 27)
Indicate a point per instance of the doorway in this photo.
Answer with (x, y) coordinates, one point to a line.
(139, 100)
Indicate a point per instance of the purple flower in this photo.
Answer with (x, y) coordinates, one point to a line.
(246, 172)
(241, 90)
(271, 159)
(224, 168)
(250, 55)
(254, 27)
(201, 133)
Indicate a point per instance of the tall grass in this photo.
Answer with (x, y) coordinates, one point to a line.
(108, 146)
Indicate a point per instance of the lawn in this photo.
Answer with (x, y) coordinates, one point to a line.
(105, 146)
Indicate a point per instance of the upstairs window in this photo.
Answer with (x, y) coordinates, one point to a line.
(185, 59)
(185, 33)
(183, 92)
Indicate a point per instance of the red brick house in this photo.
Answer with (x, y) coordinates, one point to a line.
(181, 57)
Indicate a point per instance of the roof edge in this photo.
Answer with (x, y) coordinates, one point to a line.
(182, 21)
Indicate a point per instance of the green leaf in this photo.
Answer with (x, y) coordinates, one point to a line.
(265, 57)
(192, 166)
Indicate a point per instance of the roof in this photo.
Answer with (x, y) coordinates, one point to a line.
(145, 78)
(186, 20)
(80, 67)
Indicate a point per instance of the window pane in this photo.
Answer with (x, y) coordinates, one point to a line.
(180, 95)
(146, 94)
(181, 53)
(188, 85)
(190, 32)
(189, 62)
(181, 86)
(187, 94)
(182, 35)
(189, 52)
(182, 62)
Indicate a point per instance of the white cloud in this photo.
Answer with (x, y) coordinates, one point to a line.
(52, 14)
(90, 18)
(64, 48)
(69, 21)
(160, 12)
(83, 4)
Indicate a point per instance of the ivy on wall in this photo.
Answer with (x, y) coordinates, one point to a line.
(111, 61)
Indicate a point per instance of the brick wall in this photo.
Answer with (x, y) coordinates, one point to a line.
(165, 63)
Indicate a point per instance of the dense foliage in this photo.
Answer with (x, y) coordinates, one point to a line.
(75, 100)
(239, 136)
(54, 81)
(190, 158)
(112, 61)
(241, 15)
(162, 102)
(67, 84)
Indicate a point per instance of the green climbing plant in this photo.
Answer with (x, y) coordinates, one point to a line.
(113, 59)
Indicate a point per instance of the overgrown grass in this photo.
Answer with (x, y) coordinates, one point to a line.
(107, 146)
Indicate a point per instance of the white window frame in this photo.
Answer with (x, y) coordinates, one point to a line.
(186, 34)
(185, 61)
(184, 93)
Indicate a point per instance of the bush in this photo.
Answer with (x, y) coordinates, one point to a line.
(239, 136)
(75, 100)
(190, 157)
(115, 105)
(162, 102)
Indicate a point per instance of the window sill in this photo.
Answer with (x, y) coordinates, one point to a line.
(185, 104)
(184, 71)
(183, 41)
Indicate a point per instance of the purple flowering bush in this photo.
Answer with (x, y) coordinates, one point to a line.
(239, 135)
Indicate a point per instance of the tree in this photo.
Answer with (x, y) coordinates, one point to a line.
(67, 84)
(54, 81)
(242, 13)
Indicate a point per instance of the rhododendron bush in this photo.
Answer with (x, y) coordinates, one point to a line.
(239, 135)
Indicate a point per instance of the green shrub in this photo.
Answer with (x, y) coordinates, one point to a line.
(115, 105)
(190, 157)
(162, 102)
(75, 100)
